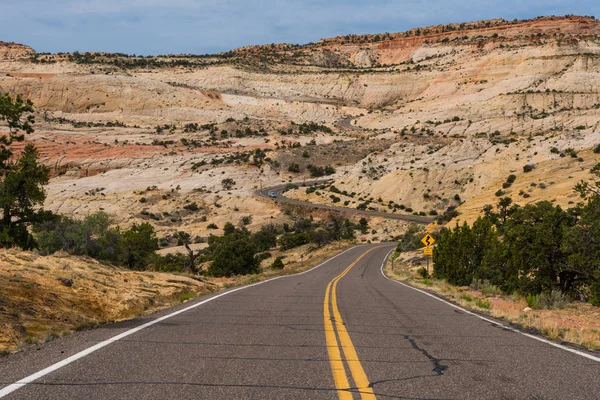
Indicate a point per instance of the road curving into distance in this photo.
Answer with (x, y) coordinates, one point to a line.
(280, 198)
(339, 331)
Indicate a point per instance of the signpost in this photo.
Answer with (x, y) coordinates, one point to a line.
(428, 240)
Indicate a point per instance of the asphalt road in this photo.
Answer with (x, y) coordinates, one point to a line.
(341, 330)
(280, 198)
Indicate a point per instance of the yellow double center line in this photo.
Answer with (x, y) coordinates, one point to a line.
(345, 343)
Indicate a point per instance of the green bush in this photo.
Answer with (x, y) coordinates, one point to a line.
(94, 238)
(483, 304)
(538, 250)
(278, 263)
(232, 254)
(186, 296)
(533, 301)
(316, 172)
(191, 207)
(594, 297)
(423, 272)
(547, 300)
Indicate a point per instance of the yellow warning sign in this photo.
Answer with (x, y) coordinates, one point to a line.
(428, 251)
(428, 240)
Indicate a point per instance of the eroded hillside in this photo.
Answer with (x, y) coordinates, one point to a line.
(423, 120)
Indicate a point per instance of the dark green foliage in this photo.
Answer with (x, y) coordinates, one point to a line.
(527, 168)
(363, 225)
(461, 267)
(232, 254)
(448, 215)
(597, 149)
(139, 243)
(191, 207)
(536, 249)
(592, 188)
(21, 194)
(316, 172)
(294, 168)
(94, 238)
(306, 231)
(278, 263)
(423, 272)
(266, 237)
(17, 114)
(169, 262)
(228, 228)
(21, 191)
(533, 237)
(582, 247)
(228, 183)
(291, 240)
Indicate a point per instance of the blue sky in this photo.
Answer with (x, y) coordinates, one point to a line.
(208, 26)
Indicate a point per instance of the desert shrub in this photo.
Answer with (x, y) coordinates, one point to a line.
(94, 238)
(266, 237)
(278, 263)
(483, 304)
(227, 183)
(553, 299)
(191, 207)
(232, 254)
(263, 256)
(316, 172)
(423, 272)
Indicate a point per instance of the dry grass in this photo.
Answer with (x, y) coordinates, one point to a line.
(577, 323)
(47, 297)
(44, 298)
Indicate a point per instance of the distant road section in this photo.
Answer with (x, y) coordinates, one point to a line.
(278, 190)
(346, 123)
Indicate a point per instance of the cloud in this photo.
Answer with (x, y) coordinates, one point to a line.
(200, 26)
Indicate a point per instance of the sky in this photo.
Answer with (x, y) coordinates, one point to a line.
(151, 27)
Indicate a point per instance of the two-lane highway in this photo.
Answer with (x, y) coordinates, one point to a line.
(342, 330)
(279, 190)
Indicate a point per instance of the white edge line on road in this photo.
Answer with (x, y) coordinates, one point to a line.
(5, 391)
(491, 321)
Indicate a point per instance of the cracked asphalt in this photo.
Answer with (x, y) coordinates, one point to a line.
(268, 342)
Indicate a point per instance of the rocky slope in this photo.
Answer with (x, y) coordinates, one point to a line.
(460, 107)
